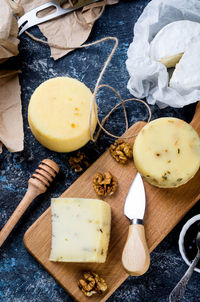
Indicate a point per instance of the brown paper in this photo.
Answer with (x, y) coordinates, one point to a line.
(68, 30)
(11, 123)
(8, 32)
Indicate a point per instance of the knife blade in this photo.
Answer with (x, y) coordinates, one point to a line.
(31, 18)
(135, 256)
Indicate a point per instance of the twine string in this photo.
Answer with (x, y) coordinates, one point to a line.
(113, 109)
(101, 124)
(98, 86)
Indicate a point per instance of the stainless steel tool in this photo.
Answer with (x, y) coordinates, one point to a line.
(135, 256)
(178, 292)
(32, 18)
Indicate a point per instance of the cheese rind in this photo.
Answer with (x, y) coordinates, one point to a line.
(172, 40)
(186, 76)
(59, 112)
(80, 230)
(167, 152)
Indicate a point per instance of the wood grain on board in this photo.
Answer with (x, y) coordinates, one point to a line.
(165, 208)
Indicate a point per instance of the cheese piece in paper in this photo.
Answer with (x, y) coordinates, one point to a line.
(80, 230)
(167, 152)
(186, 75)
(172, 40)
(148, 77)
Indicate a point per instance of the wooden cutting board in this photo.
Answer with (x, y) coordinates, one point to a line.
(165, 208)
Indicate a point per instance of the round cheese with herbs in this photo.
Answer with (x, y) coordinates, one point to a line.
(172, 40)
(59, 112)
(167, 152)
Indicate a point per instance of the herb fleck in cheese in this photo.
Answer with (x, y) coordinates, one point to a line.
(167, 152)
(80, 230)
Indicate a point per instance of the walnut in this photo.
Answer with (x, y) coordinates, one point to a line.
(92, 284)
(121, 151)
(101, 285)
(79, 162)
(104, 185)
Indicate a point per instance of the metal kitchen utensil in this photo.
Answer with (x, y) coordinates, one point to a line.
(179, 290)
(31, 18)
(135, 256)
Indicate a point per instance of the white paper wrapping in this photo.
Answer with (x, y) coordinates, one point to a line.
(149, 78)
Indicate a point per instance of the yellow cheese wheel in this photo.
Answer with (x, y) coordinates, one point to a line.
(58, 114)
(167, 152)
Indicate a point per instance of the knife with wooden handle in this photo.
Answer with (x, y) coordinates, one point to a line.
(135, 256)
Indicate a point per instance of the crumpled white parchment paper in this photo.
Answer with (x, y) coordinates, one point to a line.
(149, 78)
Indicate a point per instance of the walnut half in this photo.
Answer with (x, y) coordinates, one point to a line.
(92, 284)
(121, 151)
(104, 185)
(79, 162)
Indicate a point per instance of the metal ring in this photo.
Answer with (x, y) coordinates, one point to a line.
(136, 221)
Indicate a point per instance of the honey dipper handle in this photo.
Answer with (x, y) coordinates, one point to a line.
(135, 256)
(31, 193)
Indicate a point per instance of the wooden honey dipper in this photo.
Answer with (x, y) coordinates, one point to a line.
(37, 184)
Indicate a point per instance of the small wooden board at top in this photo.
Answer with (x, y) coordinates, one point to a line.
(165, 208)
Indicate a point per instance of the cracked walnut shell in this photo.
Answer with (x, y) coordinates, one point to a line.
(104, 184)
(121, 151)
(92, 284)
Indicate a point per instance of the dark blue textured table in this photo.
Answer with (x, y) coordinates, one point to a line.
(22, 279)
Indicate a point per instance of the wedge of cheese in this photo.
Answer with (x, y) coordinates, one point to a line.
(186, 76)
(80, 230)
(58, 114)
(167, 152)
(172, 40)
